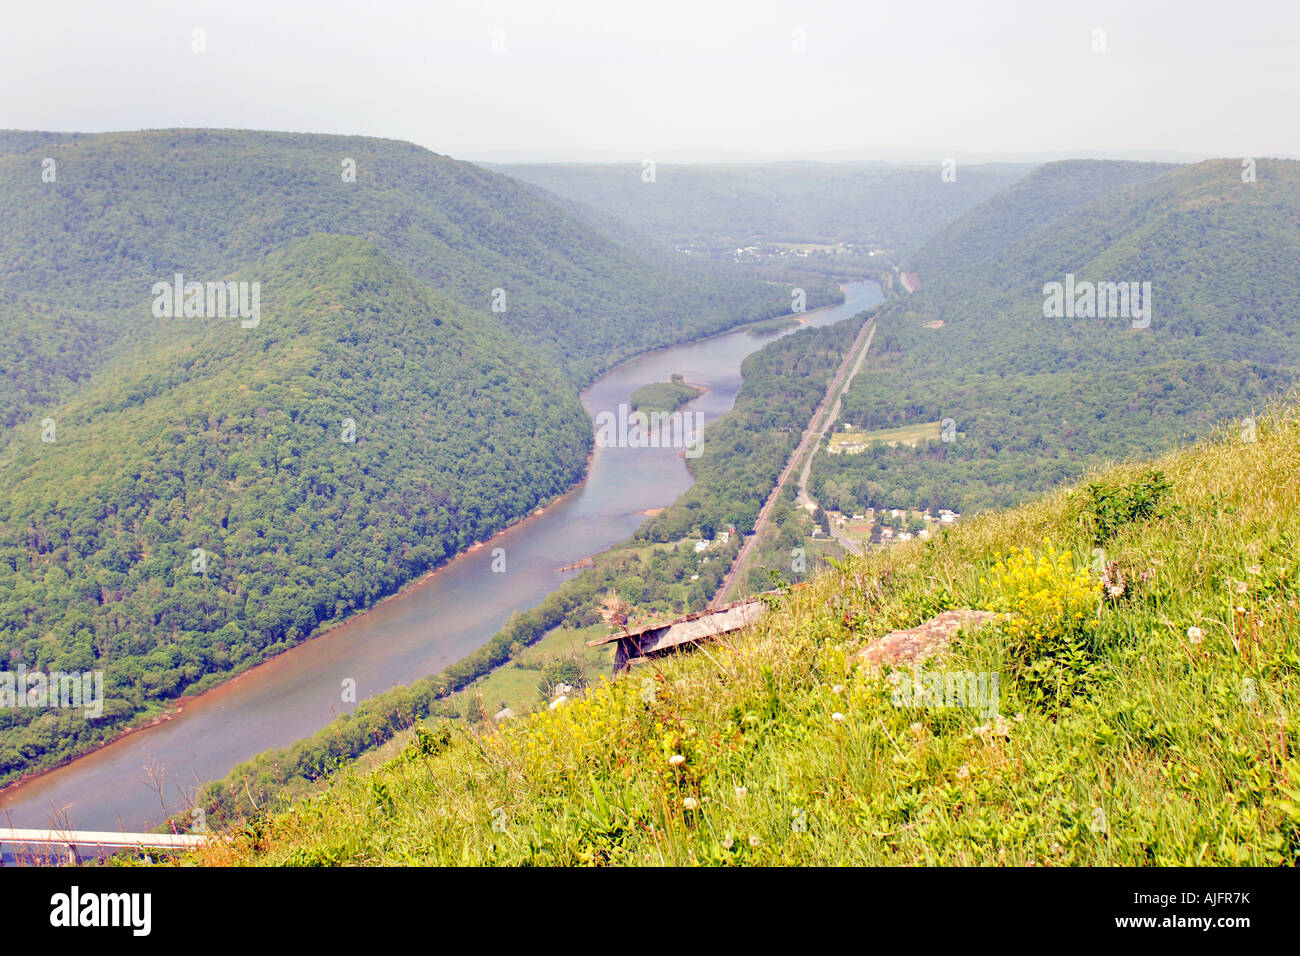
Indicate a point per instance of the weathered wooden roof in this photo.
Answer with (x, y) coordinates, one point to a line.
(693, 627)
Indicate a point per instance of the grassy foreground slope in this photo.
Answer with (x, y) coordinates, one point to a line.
(1147, 672)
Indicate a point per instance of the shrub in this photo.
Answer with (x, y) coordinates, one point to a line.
(1109, 507)
(1050, 623)
(431, 742)
(560, 670)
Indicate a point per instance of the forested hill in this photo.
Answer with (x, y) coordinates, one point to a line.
(1034, 399)
(1047, 195)
(128, 209)
(218, 492)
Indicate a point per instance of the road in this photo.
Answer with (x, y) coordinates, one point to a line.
(805, 499)
(822, 418)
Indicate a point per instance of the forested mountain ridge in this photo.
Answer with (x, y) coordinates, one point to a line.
(21, 140)
(125, 210)
(1045, 196)
(219, 492)
(1036, 399)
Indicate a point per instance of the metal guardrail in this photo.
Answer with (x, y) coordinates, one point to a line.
(104, 838)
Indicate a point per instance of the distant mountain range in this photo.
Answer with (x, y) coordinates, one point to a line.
(892, 207)
(895, 156)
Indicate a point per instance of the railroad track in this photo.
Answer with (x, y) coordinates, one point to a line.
(822, 416)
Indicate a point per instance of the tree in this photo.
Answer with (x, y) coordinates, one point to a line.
(560, 670)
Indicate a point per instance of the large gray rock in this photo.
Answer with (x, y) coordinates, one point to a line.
(925, 640)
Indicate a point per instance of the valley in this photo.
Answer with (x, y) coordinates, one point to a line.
(399, 484)
(417, 632)
(189, 496)
(450, 437)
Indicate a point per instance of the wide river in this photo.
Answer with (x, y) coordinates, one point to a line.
(414, 634)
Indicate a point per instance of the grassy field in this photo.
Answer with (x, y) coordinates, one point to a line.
(514, 684)
(1147, 673)
(819, 549)
(907, 435)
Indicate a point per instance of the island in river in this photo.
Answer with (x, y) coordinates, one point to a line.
(664, 396)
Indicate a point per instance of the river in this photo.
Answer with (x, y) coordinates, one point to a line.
(419, 631)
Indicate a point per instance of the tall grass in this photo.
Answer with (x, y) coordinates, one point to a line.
(1174, 745)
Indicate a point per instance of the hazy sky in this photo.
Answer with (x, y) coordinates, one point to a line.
(694, 80)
